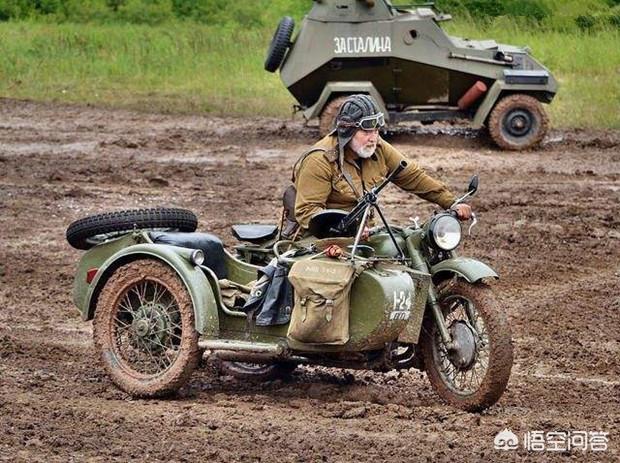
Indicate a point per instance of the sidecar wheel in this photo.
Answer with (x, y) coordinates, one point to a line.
(144, 329)
(474, 376)
(257, 372)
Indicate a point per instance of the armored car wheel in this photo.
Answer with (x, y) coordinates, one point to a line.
(144, 329)
(279, 43)
(518, 122)
(328, 115)
(474, 374)
(87, 232)
(257, 371)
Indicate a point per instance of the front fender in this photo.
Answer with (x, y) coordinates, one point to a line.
(345, 88)
(470, 269)
(203, 299)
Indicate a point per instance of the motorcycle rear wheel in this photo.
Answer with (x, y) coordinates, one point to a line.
(257, 372)
(474, 377)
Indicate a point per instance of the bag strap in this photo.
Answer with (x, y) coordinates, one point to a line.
(345, 174)
(303, 157)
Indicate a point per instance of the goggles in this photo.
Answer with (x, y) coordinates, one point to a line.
(374, 122)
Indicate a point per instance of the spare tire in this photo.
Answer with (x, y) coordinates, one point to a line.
(87, 232)
(279, 43)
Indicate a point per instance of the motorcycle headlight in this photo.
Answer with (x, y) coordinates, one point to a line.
(445, 232)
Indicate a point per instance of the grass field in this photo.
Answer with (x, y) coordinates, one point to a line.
(187, 67)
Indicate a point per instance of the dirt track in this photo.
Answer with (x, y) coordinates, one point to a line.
(548, 223)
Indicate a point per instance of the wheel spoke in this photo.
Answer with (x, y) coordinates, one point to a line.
(148, 327)
(157, 294)
(135, 291)
(122, 323)
(458, 309)
(154, 359)
(126, 304)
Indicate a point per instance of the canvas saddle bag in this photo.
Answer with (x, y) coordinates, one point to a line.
(322, 298)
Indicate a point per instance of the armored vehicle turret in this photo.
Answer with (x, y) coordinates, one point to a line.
(413, 69)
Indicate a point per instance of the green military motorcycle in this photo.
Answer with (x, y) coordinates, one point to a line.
(162, 295)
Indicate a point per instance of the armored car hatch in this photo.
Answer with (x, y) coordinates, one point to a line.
(413, 69)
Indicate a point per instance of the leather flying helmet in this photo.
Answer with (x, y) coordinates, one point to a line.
(358, 112)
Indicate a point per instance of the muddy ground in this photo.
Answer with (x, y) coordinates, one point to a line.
(548, 223)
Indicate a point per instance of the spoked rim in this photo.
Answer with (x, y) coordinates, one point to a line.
(147, 328)
(464, 368)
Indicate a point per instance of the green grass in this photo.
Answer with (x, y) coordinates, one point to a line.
(178, 67)
(187, 67)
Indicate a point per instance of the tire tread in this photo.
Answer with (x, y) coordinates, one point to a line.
(81, 230)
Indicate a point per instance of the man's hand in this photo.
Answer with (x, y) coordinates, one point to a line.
(463, 211)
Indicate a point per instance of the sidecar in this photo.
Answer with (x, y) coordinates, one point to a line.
(155, 289)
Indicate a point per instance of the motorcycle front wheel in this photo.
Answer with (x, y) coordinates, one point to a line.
(473, 375)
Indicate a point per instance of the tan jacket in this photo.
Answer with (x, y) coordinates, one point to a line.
(321, 185)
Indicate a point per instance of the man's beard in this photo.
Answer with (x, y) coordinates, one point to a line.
(364, 151)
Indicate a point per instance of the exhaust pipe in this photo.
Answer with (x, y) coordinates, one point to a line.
(275, 350)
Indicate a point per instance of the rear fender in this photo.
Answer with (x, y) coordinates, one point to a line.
(334, 89)
(197, 284)
(471, 270)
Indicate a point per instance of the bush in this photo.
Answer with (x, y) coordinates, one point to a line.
(145, 11)
(259, 14)
(585, 22)
(15, 9)
(535, 10)
(485, 9)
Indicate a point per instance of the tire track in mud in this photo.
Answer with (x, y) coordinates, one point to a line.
(547, 223)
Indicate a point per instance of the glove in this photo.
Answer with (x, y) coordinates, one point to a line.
(463, 211)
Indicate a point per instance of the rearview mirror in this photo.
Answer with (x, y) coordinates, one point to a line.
(473, 185)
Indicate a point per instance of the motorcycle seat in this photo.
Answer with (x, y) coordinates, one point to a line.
(211, 245)
(254, 233)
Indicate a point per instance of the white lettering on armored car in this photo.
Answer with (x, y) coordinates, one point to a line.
(356, 45)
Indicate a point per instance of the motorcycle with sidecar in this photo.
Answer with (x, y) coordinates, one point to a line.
(156, 289)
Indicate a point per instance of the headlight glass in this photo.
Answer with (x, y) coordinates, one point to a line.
(446, 232)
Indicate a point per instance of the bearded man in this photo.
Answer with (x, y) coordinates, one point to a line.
(353, 159)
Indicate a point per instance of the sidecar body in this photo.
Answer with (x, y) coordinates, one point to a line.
(387, 300)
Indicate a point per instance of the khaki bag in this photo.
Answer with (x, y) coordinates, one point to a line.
(322, 294)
